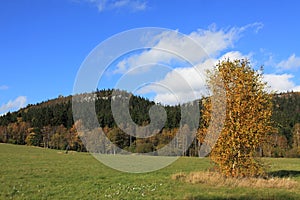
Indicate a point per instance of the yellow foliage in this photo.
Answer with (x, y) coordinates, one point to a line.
(247, 123)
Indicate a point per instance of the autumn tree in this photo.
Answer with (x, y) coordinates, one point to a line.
(296, 136)
(33, 139)
(295, 151)
(247, 121)
(58, 140)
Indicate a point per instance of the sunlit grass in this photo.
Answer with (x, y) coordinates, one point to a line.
(36, 173)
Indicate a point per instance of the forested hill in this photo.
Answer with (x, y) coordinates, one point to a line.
(286, 113)
(50, 124)
(58, 111)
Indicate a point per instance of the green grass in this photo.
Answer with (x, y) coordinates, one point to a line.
(35, 173)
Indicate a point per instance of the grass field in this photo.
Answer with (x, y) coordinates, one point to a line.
(36, 173)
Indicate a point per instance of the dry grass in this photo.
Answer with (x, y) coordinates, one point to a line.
(216, 179)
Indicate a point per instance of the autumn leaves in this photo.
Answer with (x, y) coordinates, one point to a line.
(247, 122)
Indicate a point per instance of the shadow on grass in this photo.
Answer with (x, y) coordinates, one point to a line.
(285, 173)
(284, 196)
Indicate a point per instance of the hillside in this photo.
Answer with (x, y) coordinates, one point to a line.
(50, 124)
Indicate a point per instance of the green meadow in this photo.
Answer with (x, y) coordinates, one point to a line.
(37, 173)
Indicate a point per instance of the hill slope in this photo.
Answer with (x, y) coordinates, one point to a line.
(50, 124)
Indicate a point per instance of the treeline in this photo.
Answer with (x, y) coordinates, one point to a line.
(285, 142)
(50, 124)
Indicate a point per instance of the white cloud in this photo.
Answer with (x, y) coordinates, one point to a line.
(293, 62)
(132, 5)
(188, 83)
(15, 104)
(212, 42)
(201, 48)
(233, 55)
(3, 87)
(254, 26)
(281, 82)
(179, 85)
(270, 60)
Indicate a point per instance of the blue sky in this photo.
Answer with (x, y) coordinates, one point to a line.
(44, 42)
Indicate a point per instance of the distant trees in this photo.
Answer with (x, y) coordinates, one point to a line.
(295, 151)
(50, 125)
(296, 136)
(286, 113)
(247, 123)
(33, 139)
(59, 139)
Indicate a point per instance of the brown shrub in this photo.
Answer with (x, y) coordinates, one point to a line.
(217, 179)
